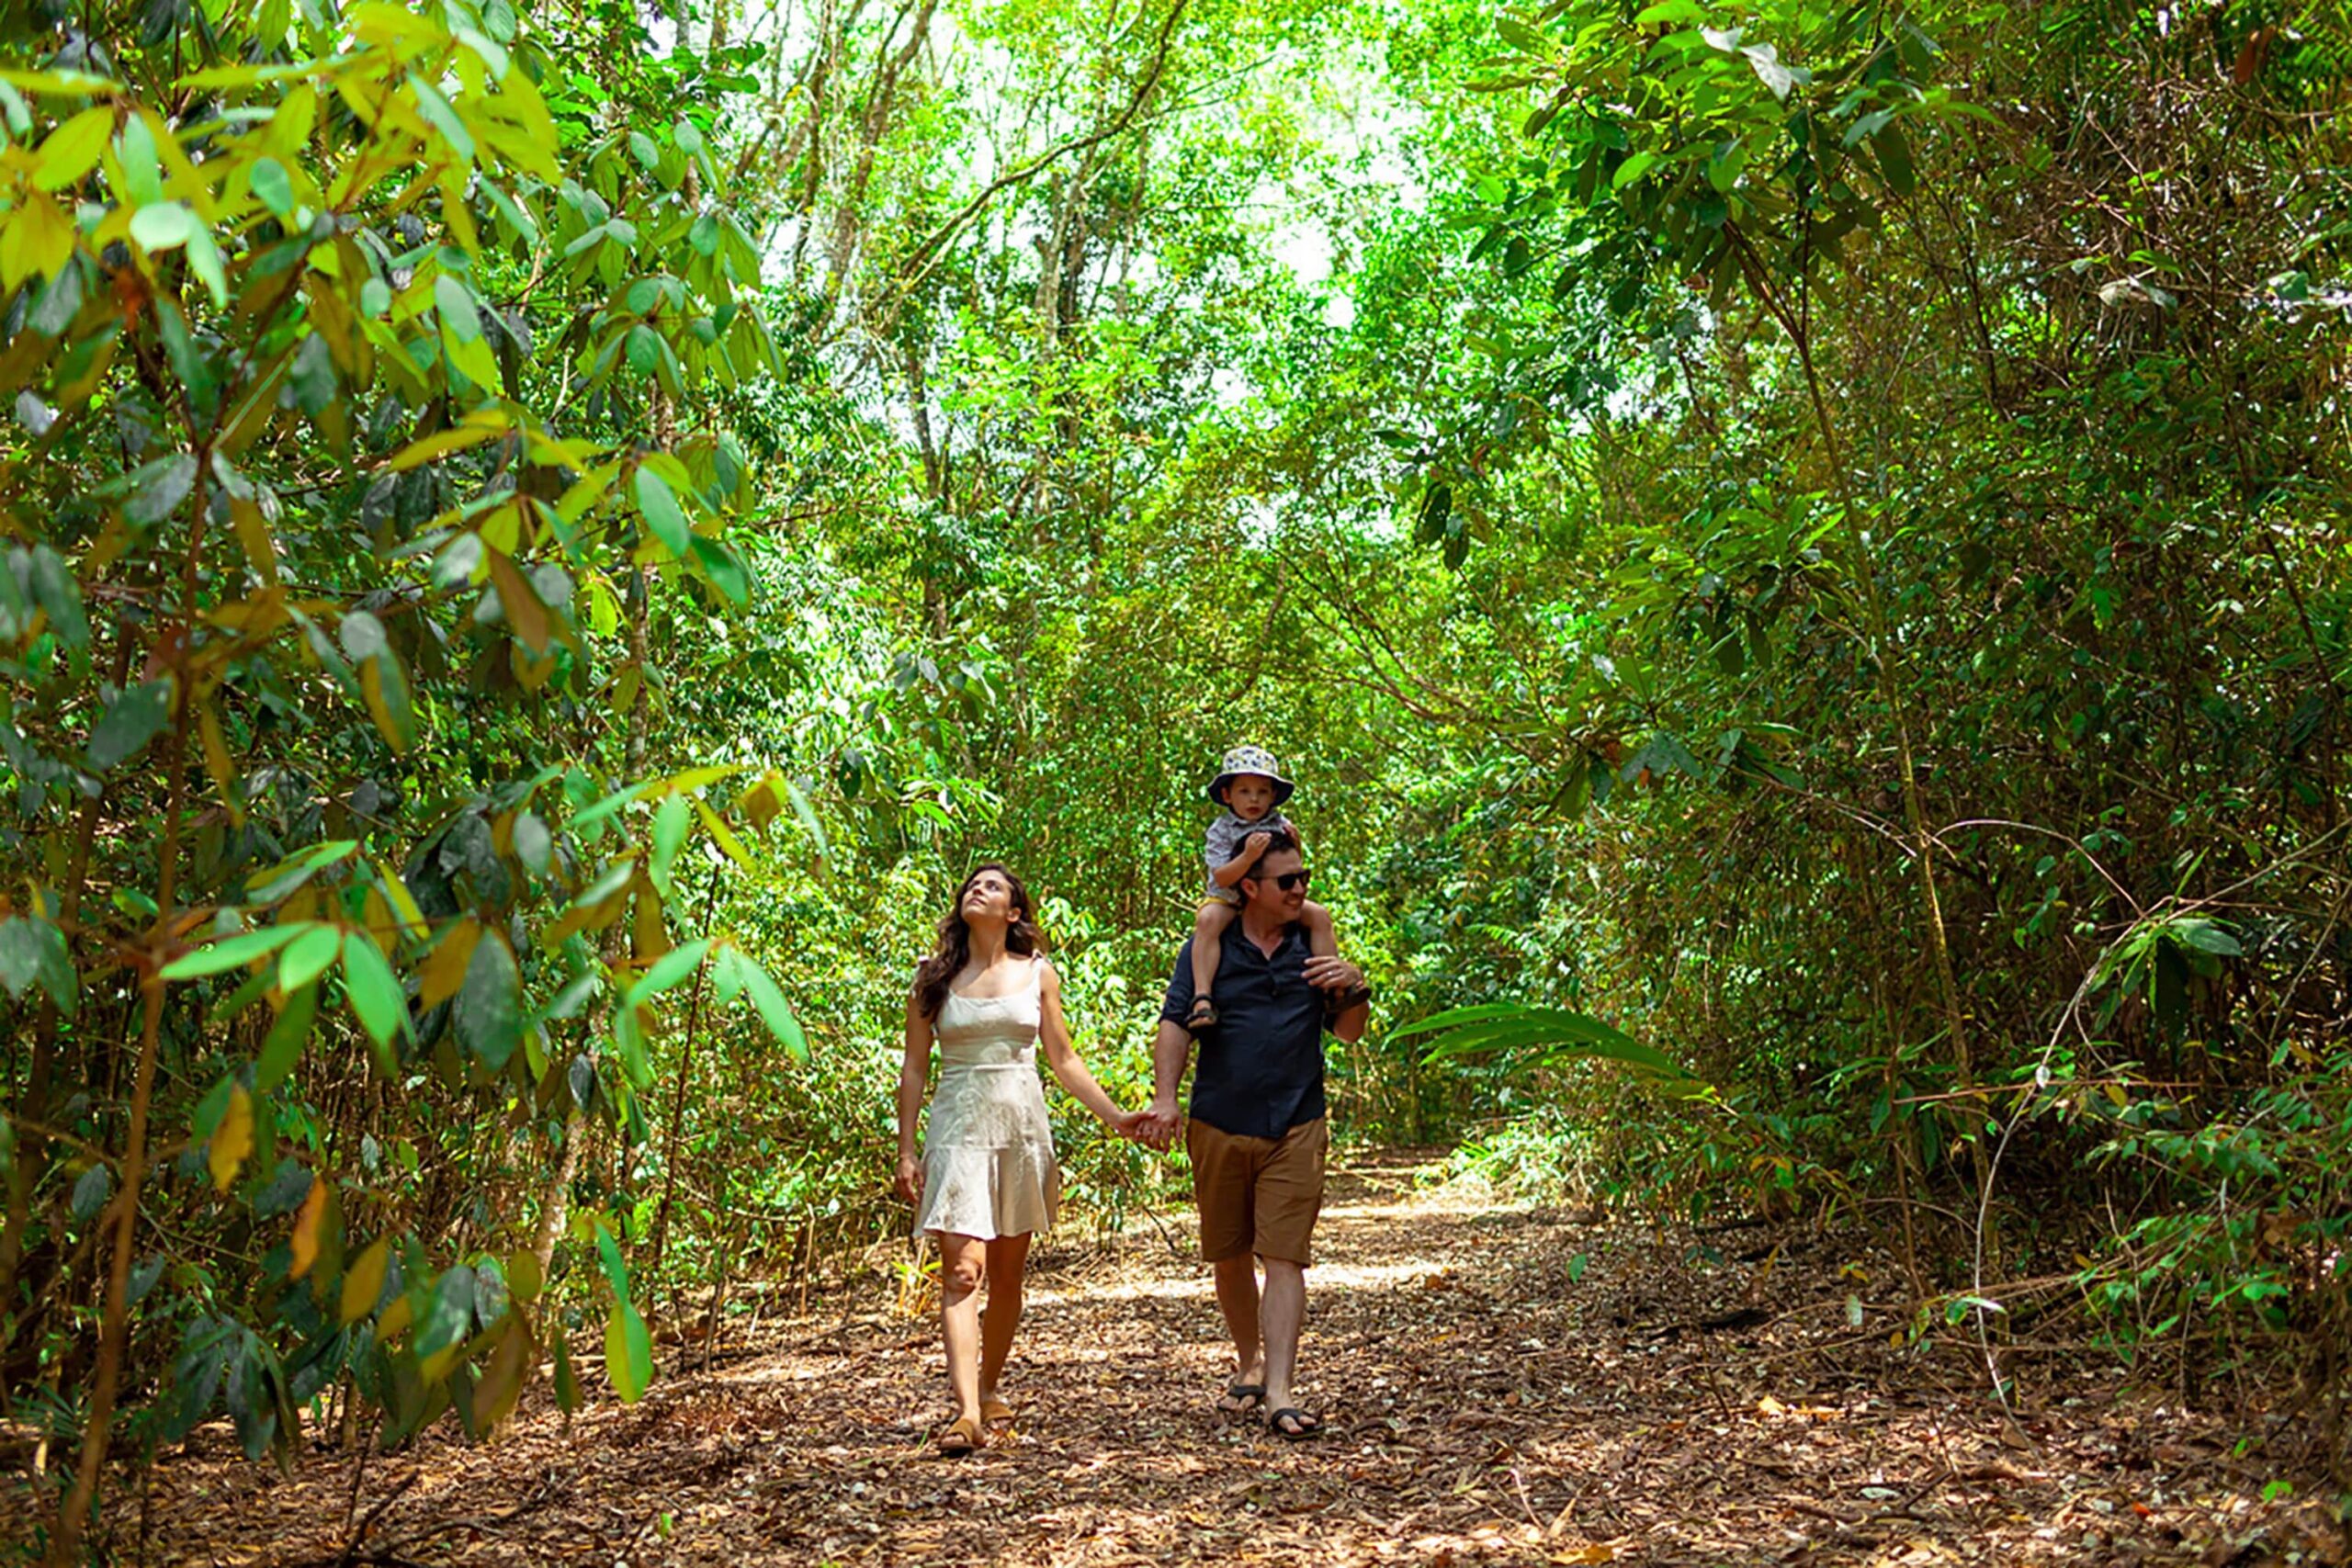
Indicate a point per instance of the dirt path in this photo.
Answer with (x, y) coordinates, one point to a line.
(1502, 1386)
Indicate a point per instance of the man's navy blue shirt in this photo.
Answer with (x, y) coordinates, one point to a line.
(1260, 1070)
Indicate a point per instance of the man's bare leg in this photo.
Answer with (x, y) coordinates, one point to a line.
(1237, 1294)
(1280, 1315)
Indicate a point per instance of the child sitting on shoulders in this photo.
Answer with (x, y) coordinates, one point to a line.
(1251, 788)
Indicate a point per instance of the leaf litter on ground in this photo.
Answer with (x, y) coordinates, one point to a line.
(1501, 1385)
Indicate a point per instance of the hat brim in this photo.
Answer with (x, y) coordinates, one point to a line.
(1283, 786)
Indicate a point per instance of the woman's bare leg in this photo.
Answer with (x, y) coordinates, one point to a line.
(1007, 1257)
(962, 1262)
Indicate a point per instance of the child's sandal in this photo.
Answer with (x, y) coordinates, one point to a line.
(1203, 1016)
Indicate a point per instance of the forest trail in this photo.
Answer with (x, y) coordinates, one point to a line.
(1502, 1386)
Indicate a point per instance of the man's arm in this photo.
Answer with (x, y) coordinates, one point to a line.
(1171, 1048)
(1343, 984)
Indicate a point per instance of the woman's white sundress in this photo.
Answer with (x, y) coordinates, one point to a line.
(987, 1167)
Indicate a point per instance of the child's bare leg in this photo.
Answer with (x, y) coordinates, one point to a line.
(1321, 940)
(1208, 947)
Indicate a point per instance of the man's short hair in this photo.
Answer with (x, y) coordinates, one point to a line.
(1279, 842)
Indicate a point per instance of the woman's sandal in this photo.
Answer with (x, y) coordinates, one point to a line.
(1242, 1398)
(993, 1410)
(1304, 1424)
(961, 1438)
(1203, 1016)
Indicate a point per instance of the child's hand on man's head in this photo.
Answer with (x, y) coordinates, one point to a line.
(1255, 844)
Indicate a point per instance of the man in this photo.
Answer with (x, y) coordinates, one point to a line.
(1257, 1135)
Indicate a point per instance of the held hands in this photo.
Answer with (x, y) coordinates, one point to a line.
(1154, 1128)
(909, 1182)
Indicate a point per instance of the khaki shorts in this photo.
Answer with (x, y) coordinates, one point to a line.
(1258, 1195)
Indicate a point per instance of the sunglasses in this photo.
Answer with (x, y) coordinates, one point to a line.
(1288, 879)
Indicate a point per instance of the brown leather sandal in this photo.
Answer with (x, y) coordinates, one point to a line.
(993, 1410)
(961, 1438)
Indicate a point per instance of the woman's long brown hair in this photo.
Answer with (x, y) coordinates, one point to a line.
(954, 947)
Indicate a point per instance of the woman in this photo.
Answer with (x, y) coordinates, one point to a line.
(987, 1180)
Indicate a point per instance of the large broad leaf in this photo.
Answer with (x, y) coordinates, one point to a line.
(376, 996)
(131, 720)
(307, 956)
(31, 949)
(629, 1353)
(659, 505)
(449, 1313)
(1548, 1034)
(490, 1004)
(363, 1282)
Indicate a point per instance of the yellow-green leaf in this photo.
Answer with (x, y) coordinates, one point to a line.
(232, 1140)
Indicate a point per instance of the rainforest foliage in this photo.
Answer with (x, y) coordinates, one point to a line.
(1797, 551)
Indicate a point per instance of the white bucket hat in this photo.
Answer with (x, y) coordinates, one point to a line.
(1250, 760)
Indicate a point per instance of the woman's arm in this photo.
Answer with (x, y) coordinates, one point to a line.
(914, 1071)
(1053, 1032)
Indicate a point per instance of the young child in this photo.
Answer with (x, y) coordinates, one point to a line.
(1251, 788)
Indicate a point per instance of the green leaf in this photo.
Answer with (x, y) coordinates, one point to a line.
(460, 317)
(2206, 936)
(534, 846)
(668, 970)
(725, 569)
(489, 1011)
(30, 948)
(90, 1192)
(283, 1047)
(669, 821)
(1632, 169)
(448, 1318)
(658, 504)
(158, 488)
(232, 951)
(775, 1011)
(608, 1256)
(307, 956)
(1521, 36)
(59, 594)
(273, 186)
(567, 1378)
(1510, 1026)
(132, 720)
(629, 1353)
(374, 992)
(442, 118)
(628, 1042)
(727, 975)
(166, 225)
